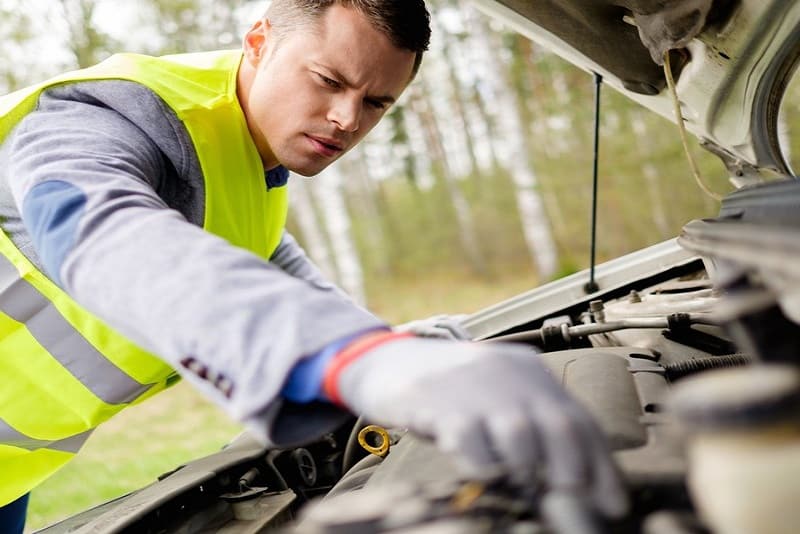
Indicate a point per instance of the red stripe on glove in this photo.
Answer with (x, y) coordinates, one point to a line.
(349, 354)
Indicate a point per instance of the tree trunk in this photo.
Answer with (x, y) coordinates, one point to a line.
(651, 175)
(367, 208)
(312, 236)
(535, 225)
(466, 225)
(458, 101)
(337, 221)
(85, 41)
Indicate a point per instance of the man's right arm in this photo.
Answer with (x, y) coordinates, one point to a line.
(85, 178)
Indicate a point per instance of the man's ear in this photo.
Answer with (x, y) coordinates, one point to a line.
(256, 41)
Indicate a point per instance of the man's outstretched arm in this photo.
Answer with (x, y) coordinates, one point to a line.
(90, 186)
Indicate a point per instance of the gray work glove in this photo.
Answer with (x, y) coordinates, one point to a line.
(437, 326)
(494, 407)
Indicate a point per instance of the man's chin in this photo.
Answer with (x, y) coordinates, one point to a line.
(306, 173)
(308, 168)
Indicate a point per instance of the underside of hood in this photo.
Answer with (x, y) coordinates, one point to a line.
(627, 37)
(732, 59)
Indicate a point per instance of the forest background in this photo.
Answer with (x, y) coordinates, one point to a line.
(475, 187)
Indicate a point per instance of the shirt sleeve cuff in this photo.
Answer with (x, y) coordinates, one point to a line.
(305, 379)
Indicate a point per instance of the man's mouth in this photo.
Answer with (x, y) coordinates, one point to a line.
(324, 146)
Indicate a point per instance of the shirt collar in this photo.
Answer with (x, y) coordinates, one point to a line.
(277, 177)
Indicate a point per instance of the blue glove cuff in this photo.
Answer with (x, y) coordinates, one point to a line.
(305, 379)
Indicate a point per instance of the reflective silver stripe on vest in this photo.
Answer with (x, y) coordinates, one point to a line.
(9, 436)
(24, 303)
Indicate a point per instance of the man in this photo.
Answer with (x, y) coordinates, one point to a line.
(140, 239)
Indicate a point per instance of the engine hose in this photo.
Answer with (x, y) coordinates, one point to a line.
(352, 452)
(676, 371)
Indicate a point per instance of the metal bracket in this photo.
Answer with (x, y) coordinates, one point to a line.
(741, 173)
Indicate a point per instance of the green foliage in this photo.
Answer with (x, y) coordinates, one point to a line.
(566, 268)
(192, 25)
(86, 40)
(15, 33)
(397, 118)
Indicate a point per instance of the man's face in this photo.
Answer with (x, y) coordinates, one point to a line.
(318, 91)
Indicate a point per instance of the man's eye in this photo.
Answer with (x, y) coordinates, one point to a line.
(329, 81)
(376, 104)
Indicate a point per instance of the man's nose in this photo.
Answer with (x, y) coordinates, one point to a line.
(346, 113)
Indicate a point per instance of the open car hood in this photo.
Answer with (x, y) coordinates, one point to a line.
(731, 59)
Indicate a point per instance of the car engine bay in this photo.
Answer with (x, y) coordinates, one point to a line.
(624, 352)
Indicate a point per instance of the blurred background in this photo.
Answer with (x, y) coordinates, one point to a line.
(475, 187)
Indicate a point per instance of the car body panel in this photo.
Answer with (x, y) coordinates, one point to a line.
(613, 277)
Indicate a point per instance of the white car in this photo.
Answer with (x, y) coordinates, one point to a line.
(685, 352)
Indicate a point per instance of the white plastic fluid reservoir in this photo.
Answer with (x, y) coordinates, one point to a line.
(743, 447)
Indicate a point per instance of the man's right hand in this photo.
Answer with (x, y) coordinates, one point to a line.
(493, 406)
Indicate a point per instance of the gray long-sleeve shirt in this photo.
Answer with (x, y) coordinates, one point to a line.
(101, 188)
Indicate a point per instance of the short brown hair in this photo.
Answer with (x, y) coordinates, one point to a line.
(405, 22)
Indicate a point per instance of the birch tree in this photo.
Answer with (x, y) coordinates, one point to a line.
(337, 221)
(532, 91)
(535, 225)
(192, 25)
(87, 42)
(433, 137)
(418, 146)
(27, 43)
(303, 211)
(368, 206)
(447, 76)
(15, 31)
(651, 174)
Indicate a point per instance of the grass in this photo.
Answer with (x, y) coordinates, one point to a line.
(130, 451)
(398, 300)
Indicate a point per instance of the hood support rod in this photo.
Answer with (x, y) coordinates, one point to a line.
(591, 286)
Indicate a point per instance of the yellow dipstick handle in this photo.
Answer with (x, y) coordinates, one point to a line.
(375, 440)
(466, 496)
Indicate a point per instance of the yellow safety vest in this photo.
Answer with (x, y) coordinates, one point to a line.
(62, 370)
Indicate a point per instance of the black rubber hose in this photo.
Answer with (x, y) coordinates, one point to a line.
(353, 451)
(676, 371)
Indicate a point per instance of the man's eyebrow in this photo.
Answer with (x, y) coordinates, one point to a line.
(383, 99)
